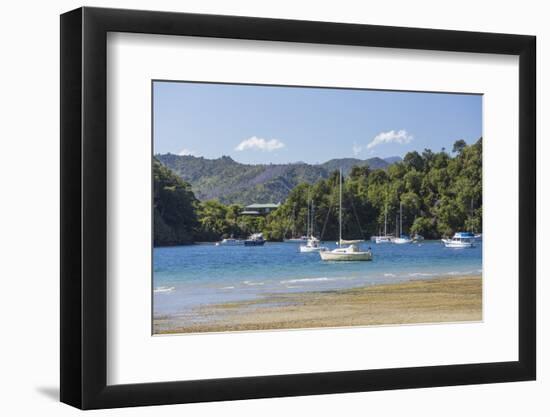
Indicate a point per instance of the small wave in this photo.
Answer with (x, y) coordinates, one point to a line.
(294, 281)
(293, 286)
(227, 288)
(251, 283)
(164, 290)
(389, 275)
(421, 274)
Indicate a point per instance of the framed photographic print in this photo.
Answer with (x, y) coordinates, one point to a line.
(257, 208)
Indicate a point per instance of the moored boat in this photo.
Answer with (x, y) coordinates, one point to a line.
(230, 241)
(255, 239)
(349, 253)
(460, 240)
(401, 240)
(383, 238)
(417, 238)
(300, 239)
(313, 245)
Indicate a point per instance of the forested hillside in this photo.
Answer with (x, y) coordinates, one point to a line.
(440, 193)
(231, 182)
(174, 208)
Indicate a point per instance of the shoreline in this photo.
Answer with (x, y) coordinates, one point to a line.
(436, 300)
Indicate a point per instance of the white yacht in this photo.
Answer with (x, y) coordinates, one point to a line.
(230, 241)
(349, 253)
(401, 239)
(313, 244)
(383, 238)
(460, 240)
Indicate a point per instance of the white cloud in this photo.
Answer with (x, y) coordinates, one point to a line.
(186, 151)
(392, 136)
(260, 144)
(357, 149)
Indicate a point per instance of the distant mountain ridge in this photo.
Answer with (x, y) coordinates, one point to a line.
(229, 181)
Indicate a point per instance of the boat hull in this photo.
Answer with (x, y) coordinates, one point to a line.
(401, 241)
(231, 243)
(309, 249)
(254, 242)
(457, 245)
(353, 256)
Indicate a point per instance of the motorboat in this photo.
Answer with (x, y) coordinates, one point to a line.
(230, 241)
(255, 239)
(460, 240)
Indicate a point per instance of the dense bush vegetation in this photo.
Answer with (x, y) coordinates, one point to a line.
(440, 193)
(174, 208)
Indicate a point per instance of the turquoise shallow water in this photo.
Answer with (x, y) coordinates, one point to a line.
(185, 277)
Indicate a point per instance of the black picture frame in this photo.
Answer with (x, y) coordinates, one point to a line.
(84, 207)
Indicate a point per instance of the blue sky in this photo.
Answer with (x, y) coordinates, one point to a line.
(263, 124)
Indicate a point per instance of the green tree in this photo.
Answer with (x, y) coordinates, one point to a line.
(174, 208)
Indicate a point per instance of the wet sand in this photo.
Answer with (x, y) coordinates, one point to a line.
(424, 301)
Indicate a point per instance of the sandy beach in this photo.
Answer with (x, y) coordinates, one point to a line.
(421, 301)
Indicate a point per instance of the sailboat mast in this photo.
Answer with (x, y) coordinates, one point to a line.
(396, 225)
(307, 219)
(340, 211)
(312, 217)
(400, 218)
(386, 221)
(472, 215)
(293, 220)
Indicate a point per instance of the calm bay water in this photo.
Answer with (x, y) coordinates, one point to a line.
(189, 276)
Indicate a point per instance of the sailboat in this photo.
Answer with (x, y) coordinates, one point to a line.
(313, 244)
(401, 239)
(349, 253)
(385, 238)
